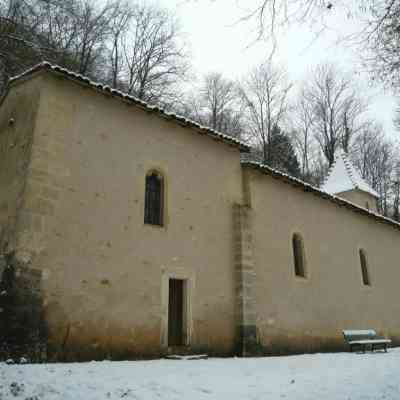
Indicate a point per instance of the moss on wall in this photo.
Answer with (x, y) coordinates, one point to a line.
(23, 332)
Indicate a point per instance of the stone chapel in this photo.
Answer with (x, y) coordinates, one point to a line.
(127, 232)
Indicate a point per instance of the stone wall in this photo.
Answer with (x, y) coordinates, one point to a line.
(246, 317)
(72, 175)
(103, 270)
(17, 121)
(23, 332)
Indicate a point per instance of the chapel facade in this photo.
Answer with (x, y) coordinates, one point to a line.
(129, 232)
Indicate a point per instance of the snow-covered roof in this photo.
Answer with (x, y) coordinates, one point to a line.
(343, 177)
(306, 187)
(105, 89)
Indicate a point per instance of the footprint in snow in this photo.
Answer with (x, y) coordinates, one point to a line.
(204, 390)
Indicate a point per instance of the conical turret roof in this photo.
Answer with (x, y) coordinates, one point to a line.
(343, 177)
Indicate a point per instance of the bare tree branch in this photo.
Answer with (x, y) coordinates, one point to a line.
(336, 109)
(155, 58)
(265, 94)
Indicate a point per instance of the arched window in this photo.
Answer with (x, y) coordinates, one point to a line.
(364, 268)
(154, 198)
(298, 256)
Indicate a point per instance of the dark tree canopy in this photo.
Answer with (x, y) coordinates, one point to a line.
(282, 154)
(134, 46)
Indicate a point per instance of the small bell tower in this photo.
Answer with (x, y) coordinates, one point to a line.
(344, 181)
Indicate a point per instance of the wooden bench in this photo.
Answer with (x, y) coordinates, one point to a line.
(364, 339)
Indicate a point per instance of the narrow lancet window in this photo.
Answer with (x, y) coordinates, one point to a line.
(364, 268)
(298, 256)
(154, 197)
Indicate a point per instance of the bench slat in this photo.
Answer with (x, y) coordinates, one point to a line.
(373, 341)
(357, 332)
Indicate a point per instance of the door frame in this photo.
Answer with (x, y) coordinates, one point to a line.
(188, 291)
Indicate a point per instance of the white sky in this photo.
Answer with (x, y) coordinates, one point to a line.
(219, 43)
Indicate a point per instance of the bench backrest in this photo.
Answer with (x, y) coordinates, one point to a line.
(358, 334)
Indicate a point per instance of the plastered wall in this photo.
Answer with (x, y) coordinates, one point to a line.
(362, 199)
(308, 314)
(104, 272)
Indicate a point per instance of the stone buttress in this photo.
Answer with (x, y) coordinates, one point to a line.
(245, 277)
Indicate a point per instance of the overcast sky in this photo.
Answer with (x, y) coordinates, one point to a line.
(220, 43)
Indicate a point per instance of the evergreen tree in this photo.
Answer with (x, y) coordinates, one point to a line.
(282, 154)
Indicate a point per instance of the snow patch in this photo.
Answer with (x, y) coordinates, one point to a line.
(344, 376)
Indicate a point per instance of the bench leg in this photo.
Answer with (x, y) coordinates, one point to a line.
(372, 347)
(385, 348)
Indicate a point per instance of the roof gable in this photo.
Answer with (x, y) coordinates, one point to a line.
(343, 177)
(107, 90)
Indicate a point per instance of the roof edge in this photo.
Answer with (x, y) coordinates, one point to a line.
(356, 187)
(314, 190)
(105, 89)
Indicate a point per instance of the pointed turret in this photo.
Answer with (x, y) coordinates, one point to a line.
(344, 181)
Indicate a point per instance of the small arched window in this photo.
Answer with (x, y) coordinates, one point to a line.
(298, 256)
(154, 198)
(364, 268)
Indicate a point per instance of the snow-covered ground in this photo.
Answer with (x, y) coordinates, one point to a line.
(340, 376)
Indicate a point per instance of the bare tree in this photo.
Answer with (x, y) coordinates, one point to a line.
(119, 28)
(136, 47)
(377, 35)
(218, 95)
(364, 148)
(375, 156)
(19, 44)
(396, 192)
(381, 40)
(336, 109)
(155, 57)
(265, 94)
(94, 25)
(268, 15)
(72, 33)
(302, 135)
(396, 119)
(216, 104)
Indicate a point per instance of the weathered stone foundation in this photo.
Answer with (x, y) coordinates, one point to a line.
(22, 327)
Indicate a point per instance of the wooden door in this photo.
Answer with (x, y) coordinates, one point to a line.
(175, 312)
